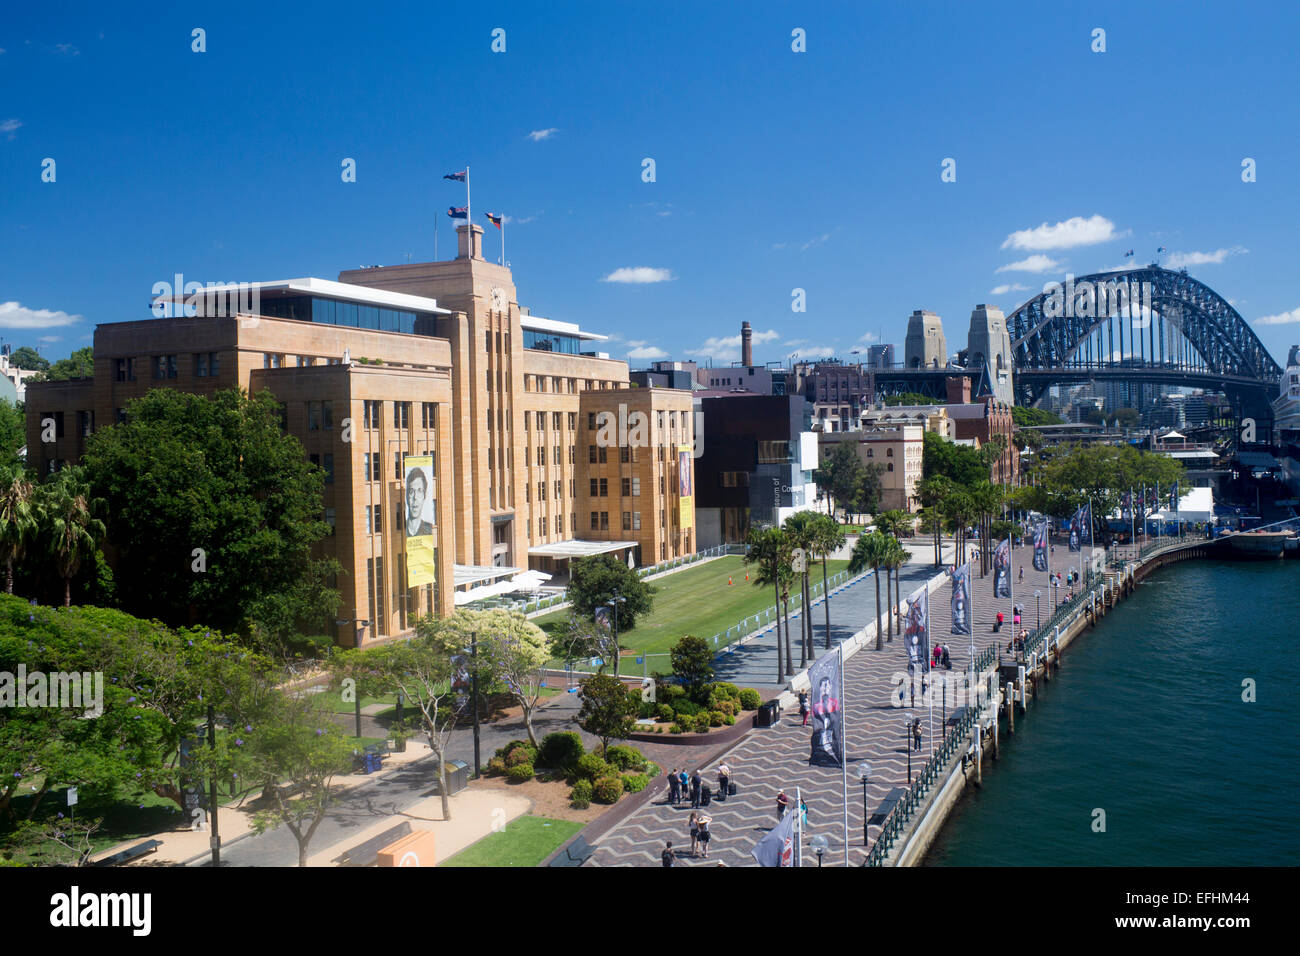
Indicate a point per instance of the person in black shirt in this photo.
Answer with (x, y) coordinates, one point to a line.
(668, 855)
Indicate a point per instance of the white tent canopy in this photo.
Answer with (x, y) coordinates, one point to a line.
(1197, 504)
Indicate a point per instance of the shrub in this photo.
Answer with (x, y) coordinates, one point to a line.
(663, 712)
(561, 750)
(625, 758)
(671, 692)
(716, 717)
(749, 699)
(729, 707)
(608, 789)
(677, 729)
(529, 749)
(726, 689)
(580, 795)
(635, 782)
(729, 719)
(686, 722)
(496, 766)
(647, 708)
(520, 772)
(592, 766)
(518, 756)
(686, 707)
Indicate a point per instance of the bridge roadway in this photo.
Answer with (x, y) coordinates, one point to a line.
(768, 760)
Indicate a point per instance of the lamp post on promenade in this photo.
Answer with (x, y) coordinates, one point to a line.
(864, 771)
(1037, 608)
(907, 739)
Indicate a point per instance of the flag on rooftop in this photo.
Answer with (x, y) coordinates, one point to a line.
(1129, 253)
(496, 220)
(458, 212)
(457, 177)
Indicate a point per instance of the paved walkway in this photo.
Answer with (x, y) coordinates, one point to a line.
(768, 760)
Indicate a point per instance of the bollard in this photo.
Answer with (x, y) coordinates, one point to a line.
(1011, 707)
(978, 737)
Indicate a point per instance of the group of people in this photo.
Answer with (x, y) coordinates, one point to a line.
(784, 802)
(693, 788)
(939, 656)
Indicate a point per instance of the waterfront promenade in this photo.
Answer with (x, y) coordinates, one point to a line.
(769, 760)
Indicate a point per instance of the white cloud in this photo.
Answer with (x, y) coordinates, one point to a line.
(727, 347)
(1282, 318)
(48, 339)
(1179, 260)
(813, 351)
(1035, 263)
(869, 338)
(1076, 231)
(646, 353)
(10, 126)
(817, 241)
(512, 221)
(538, 135)
(639, 275)
(67, 49)
(1004, 289)
(15, 316)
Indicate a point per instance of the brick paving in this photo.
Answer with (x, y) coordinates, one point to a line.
(767, 760)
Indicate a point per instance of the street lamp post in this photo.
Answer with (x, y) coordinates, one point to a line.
(1038, 611)
(820, 845)
(864, 771)
(907, 738)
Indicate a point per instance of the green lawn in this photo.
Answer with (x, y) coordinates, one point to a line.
(695, 601)
(524, 842)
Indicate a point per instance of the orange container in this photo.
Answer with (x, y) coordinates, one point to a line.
(414, 849)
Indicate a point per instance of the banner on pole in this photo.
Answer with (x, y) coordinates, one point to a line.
(1002, 569)
(1040, 546)
(826, 677)
(961, 613)
(777, 847)
(917, 635)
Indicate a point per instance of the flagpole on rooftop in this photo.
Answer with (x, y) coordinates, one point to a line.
(469, 217)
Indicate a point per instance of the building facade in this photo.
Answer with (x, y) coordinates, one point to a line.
(898, 451)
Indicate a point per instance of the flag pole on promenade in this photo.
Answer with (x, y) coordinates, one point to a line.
(844, 751)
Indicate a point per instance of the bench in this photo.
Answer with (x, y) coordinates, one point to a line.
(886, 806)
(130, 853)
(365, 854)
(575, 854)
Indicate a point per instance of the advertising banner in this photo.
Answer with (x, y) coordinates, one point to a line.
(685, 487)
(961, 612)
(826, 679)
(420, 517)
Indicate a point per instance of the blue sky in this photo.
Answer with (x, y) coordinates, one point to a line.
(775, 170)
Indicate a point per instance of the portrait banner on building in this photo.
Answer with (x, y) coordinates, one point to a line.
(1002, 569)
(826, 679)
(917, 634)
(961, 613)
(685, 487)
(419, 513)
(1040, 546)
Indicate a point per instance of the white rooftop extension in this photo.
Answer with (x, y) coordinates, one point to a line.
(322, 287)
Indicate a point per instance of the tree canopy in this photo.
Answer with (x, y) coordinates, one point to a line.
(26, 357)
(80, 364)
(1101, 474)
(961, 464)
(1029, 416)
(593, 581)
(212, 514)
(13, 429)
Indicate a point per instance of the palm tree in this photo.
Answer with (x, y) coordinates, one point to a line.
(870, 551)
(801, 531)
(72, 530)
(933, 493)
(828, 538)
(17, 517)
(895, 557)
(769, 552)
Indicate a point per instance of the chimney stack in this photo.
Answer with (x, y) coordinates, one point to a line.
(746, 345)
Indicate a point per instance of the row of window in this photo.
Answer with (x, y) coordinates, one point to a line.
(205, 365)
(540, 419)
(631, 520)
(558, 384)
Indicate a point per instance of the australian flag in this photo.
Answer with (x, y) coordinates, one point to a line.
(459, 177)
(495, 220)
(458, 212)
(1040, 546)
(1128, 254)
(1002, 569)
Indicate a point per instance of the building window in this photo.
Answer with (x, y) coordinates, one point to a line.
(371, 412)
(624, 454)
(428, 415)
(86, 423)
(313, 416)
(556, 456)
(165, 367)
(626, 489)
(595, 487)
(401, 414)
(541, 456)
(603, 454)
(329, 519)
(329, 468)
(604, 487)
(327, 415)
(591, 454)
(636, 521)
(126, 370)
(890, 467)
(595, 521)
(604, 521)
(627, 521)
(371, 468)
(591, 421)
(541, 491)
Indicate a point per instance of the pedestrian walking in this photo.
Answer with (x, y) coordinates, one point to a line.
(803, 706)
(1022, 572)
(916, 734)
(705, 835)
(683, 786)
(695, 789)
(724, 780)
(674, 787)
(668, 856)
(997, 625)
(694, 823)
(782, 804)
(803, 813)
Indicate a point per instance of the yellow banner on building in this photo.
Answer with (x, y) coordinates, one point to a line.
(420, 513)
(685, 487)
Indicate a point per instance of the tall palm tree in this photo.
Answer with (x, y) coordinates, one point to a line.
(17, 517)
(933, 493)
(895, 557)
(829, 537)
(870, 551)
(769, 553)
(801, 531)
(72, 530)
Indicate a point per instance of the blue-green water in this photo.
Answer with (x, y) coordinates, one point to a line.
(1145, 720)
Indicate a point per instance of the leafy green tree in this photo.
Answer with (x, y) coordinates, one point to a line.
(909, 398)
(801, 532)
(896, 523)
(895, 557)
(18, 517)
(213, 512)
(422, 670)
(1026, 416)
(515, 652)
(840, 475)
(69, 527)
(80, 364)
(26, 357)
(295, 750)
(692, 661)
(13, 429)
(581, 638)
(865, 498)
(933, 492)
(606, 709)
(769, 554)
(961, 464)
(595, 581)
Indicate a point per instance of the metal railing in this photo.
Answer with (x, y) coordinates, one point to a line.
(723, 640)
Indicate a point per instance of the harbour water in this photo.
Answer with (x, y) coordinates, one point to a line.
(1145, 721)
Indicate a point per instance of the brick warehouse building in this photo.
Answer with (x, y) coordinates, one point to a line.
(431, 359)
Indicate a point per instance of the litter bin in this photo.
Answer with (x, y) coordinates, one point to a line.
(457, 776)
(768, 714)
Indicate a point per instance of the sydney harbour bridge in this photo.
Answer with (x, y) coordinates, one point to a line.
(1147, 325)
